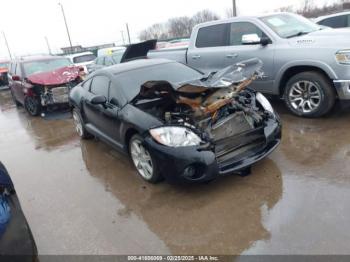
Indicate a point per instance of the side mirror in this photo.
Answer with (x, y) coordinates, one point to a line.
(254, 39)
(16, 78)
(99, 100)
(265, 40)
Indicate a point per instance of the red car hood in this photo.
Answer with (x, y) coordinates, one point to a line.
(57, 77)
(3, 70)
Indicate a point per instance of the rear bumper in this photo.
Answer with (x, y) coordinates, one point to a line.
(179, 164)
(343, 89)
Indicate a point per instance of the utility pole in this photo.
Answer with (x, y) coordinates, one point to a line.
(7, 44)
(234, 9)
(48, 45)
(127, 29)
(65, 22)
(122, 32)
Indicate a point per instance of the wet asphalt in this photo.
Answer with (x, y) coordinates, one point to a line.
(82, 197)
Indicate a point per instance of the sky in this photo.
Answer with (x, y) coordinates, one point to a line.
(27, 22)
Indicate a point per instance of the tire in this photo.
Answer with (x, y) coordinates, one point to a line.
(80, 126)
(14, 99)
(32, 105)
(143, 161)
(309, 94)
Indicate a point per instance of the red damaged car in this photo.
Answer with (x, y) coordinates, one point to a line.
(42, 83)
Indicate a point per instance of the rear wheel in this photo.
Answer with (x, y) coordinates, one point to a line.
(32, 105)
(309, 94)
(144, 163)
(79, 125)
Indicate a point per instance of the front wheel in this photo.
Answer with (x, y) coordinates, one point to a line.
(144, 163)
(32, 105)
(309, 94)
(79, 125)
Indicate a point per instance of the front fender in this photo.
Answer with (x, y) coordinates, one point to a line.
(302, 63)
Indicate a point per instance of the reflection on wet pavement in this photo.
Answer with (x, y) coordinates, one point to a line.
(82, 197)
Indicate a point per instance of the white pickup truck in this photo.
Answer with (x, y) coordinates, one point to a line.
(305, 64)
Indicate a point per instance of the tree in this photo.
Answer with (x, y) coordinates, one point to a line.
(180, 27)
(177, 27)
(204, 16)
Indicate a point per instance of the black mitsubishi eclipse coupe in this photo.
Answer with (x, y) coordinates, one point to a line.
(175, 122)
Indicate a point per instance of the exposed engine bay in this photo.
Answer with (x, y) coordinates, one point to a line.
(218, 106)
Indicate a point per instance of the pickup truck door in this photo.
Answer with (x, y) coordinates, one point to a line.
(236, 52)
(210, 47)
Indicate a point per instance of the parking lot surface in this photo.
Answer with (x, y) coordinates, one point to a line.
(82, 197)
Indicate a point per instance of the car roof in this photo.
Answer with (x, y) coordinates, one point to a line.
(320, 18)
(133, 65)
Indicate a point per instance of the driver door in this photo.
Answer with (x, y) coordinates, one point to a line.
(103, 118)
(237, 51)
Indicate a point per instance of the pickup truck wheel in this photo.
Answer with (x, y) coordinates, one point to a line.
(32, 105)
(143, 161)
(80, 126)
(309, 94)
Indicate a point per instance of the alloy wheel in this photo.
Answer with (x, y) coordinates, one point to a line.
(141, 159)
(78, 124)
(305, 96)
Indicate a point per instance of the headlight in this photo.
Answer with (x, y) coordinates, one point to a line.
(264, 102)
(175, 136)
(343, 57)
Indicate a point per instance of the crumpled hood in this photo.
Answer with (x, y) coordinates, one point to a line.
(59, 76)
(329, 37)
(222, 79)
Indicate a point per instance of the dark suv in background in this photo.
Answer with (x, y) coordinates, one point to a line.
(42, 83)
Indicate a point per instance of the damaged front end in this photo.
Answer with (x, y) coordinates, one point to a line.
(52, 88)
(221, 114)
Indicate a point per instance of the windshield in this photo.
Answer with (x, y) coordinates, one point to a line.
(117, 56)
(34, 67)
(287, 25)
(84, 58)
(3, 65)
(131, 81)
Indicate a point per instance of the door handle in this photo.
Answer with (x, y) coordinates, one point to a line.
(231, 55)
(196, 57)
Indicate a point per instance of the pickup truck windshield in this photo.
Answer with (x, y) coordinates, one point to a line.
(131, 81)
(287, 26)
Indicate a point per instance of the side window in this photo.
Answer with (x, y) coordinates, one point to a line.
(18, 70)
(9, 69)
(335, 22)
(211, 36)
(114, 95)
(100, 86)
(87, 83)
(13, 68)
(239, 29)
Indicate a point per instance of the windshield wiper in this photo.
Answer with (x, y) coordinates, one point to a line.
(298, 34)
